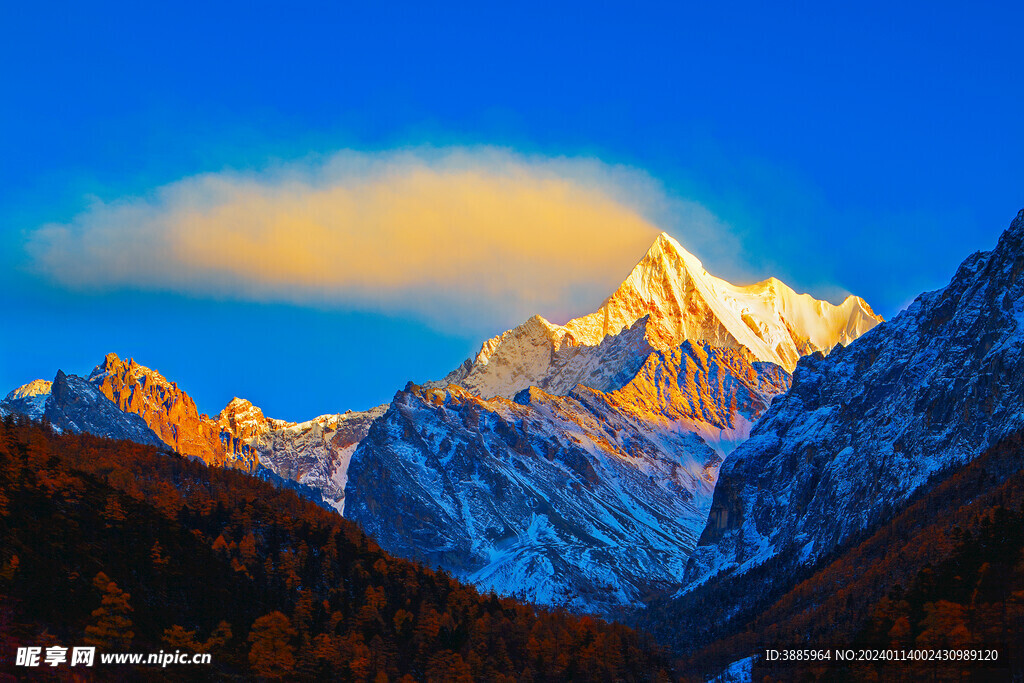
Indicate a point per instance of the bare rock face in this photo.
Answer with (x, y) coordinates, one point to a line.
(588, 500)
(316, 452)
(863, 428)
(169, 411)
(144, 405)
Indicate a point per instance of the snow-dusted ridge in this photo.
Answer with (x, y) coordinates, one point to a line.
(589, 500)
(28, 399)
(863, 428)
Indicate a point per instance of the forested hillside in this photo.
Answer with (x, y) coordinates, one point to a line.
(132, 549)
(946, 571)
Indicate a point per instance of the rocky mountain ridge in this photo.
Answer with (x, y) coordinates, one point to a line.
(590, 499)
(863, 428)
(146, 407)
(75, 405)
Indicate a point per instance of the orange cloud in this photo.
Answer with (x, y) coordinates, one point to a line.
(466, 236)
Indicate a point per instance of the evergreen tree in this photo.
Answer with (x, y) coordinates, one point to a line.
(111, 628)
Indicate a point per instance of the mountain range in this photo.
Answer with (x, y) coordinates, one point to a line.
(567, 464)
(693, 457)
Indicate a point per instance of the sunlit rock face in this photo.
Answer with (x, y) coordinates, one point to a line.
(863, 428)
(590, 499)
(682, 301)
(314, 453)
(144, 406)
(169, 411)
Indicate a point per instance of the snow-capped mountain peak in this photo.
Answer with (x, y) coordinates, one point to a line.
(681, 301)
(37, 387)
(686, 302)
(28, 399)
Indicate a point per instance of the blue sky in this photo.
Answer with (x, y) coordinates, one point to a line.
(866, 148)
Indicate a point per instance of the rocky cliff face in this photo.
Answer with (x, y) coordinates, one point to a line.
(138, 403)
(681, 301)
(314, 453)
(866, 426)
(589, 499)
(170, 412)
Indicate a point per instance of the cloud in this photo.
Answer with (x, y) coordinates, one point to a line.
(476, 238)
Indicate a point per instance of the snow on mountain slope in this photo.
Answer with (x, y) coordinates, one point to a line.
(860, 430)
(540, 354)
(589, 499)
(682, 301)
(76, 405)
(28, 399)
(316, 452)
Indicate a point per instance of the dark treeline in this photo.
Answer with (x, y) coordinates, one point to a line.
(121, 546)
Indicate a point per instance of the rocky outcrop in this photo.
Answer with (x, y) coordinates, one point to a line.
(170, 413)
(315, 453)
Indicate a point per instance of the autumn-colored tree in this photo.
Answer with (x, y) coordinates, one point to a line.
(448, 667)
(111, 627)
(156, 554)
(114, 513)
(944, 625)
(218, 639)
(247, 549)
(220, 545)
(179, 638)
(900, 635)
(272, 654)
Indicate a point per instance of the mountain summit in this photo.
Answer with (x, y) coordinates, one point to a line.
(588, 487)
(681, 301)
